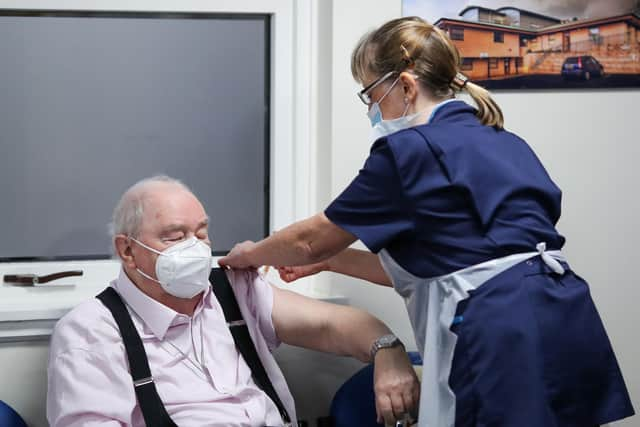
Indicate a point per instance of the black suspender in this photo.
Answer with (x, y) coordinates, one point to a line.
(240, 332)
(153, 410)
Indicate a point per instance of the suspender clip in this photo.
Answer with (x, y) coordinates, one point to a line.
(235, 323)
(142, 381)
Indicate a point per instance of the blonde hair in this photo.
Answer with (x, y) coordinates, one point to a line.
(412, 43)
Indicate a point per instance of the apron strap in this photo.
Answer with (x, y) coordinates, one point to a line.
(551, 262)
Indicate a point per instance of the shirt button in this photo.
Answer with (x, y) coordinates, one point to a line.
(529, 262)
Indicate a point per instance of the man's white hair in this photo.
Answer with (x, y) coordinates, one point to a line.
(128, 213)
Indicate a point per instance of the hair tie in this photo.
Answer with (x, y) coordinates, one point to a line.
(407, 58)
(459, 81)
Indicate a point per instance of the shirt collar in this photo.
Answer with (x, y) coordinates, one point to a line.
(155, 315)
(438, 106)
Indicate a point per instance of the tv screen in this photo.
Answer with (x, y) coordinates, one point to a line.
(93, 102)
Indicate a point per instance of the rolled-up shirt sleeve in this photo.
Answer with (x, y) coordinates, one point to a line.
(255, 293)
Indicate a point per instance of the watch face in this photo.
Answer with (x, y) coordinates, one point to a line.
(387, 340)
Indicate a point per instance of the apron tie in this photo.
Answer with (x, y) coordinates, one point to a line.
(551, 262)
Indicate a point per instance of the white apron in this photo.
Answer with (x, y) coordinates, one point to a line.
(431, 304)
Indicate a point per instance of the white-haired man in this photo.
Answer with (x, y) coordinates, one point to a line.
(160, 234)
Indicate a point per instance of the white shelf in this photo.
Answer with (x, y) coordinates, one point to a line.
(28, 324)
(30, 313)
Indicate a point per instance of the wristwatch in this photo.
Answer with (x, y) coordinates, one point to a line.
(385, 341)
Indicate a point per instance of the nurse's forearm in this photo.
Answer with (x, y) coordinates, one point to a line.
(360, 264)
(305, 242)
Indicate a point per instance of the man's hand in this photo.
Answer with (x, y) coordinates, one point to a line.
(289, 274)
(395, 383)
(239, 256)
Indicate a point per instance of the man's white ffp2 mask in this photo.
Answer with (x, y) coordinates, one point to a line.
(182, 269)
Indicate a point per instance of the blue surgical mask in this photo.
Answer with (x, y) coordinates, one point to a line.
(381, 128)
(387, 127)
(374, 113)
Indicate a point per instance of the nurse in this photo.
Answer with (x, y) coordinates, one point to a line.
(459, 217)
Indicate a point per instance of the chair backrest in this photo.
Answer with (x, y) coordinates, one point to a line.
(9, 417)
(354, 404)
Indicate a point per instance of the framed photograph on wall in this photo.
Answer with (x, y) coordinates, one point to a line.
(536, 44)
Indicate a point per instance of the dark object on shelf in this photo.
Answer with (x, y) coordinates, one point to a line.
(32, 280)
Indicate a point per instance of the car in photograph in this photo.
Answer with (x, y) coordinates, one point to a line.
(581, 67)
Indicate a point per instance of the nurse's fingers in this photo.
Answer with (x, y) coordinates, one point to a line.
(290, 274)
(238, 256)
(287, 274)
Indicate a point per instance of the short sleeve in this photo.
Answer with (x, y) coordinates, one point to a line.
(373, 207)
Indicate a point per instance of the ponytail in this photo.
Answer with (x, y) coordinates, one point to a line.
(489, 112)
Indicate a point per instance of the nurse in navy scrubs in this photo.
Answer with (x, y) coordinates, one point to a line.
(459, 217)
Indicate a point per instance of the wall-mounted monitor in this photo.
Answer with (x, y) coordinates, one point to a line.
(93, 101)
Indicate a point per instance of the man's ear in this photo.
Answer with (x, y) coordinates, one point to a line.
(122, 246)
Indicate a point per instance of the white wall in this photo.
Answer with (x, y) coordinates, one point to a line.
(589, 142)
(23, 379)
(349, 144)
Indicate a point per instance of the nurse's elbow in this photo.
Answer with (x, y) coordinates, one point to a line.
(311, 241)
(309, 253)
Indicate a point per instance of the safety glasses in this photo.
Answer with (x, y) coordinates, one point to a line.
(364, 93)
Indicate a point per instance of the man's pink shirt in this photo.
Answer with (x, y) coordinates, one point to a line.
(202, 381)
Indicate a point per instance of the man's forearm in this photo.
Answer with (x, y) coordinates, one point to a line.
(322, 326)
(353, 332)
(348, 331)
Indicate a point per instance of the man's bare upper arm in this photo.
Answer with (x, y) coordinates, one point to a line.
(300, 320)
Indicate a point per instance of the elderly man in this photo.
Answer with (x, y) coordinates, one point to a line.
(160, 234)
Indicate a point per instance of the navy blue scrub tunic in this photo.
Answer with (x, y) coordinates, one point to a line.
(440, 197)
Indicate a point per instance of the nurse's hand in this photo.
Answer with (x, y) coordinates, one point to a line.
(396, 385)
(239, 256)
(289, 274)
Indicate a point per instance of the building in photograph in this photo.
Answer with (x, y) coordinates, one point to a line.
(508, 41)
